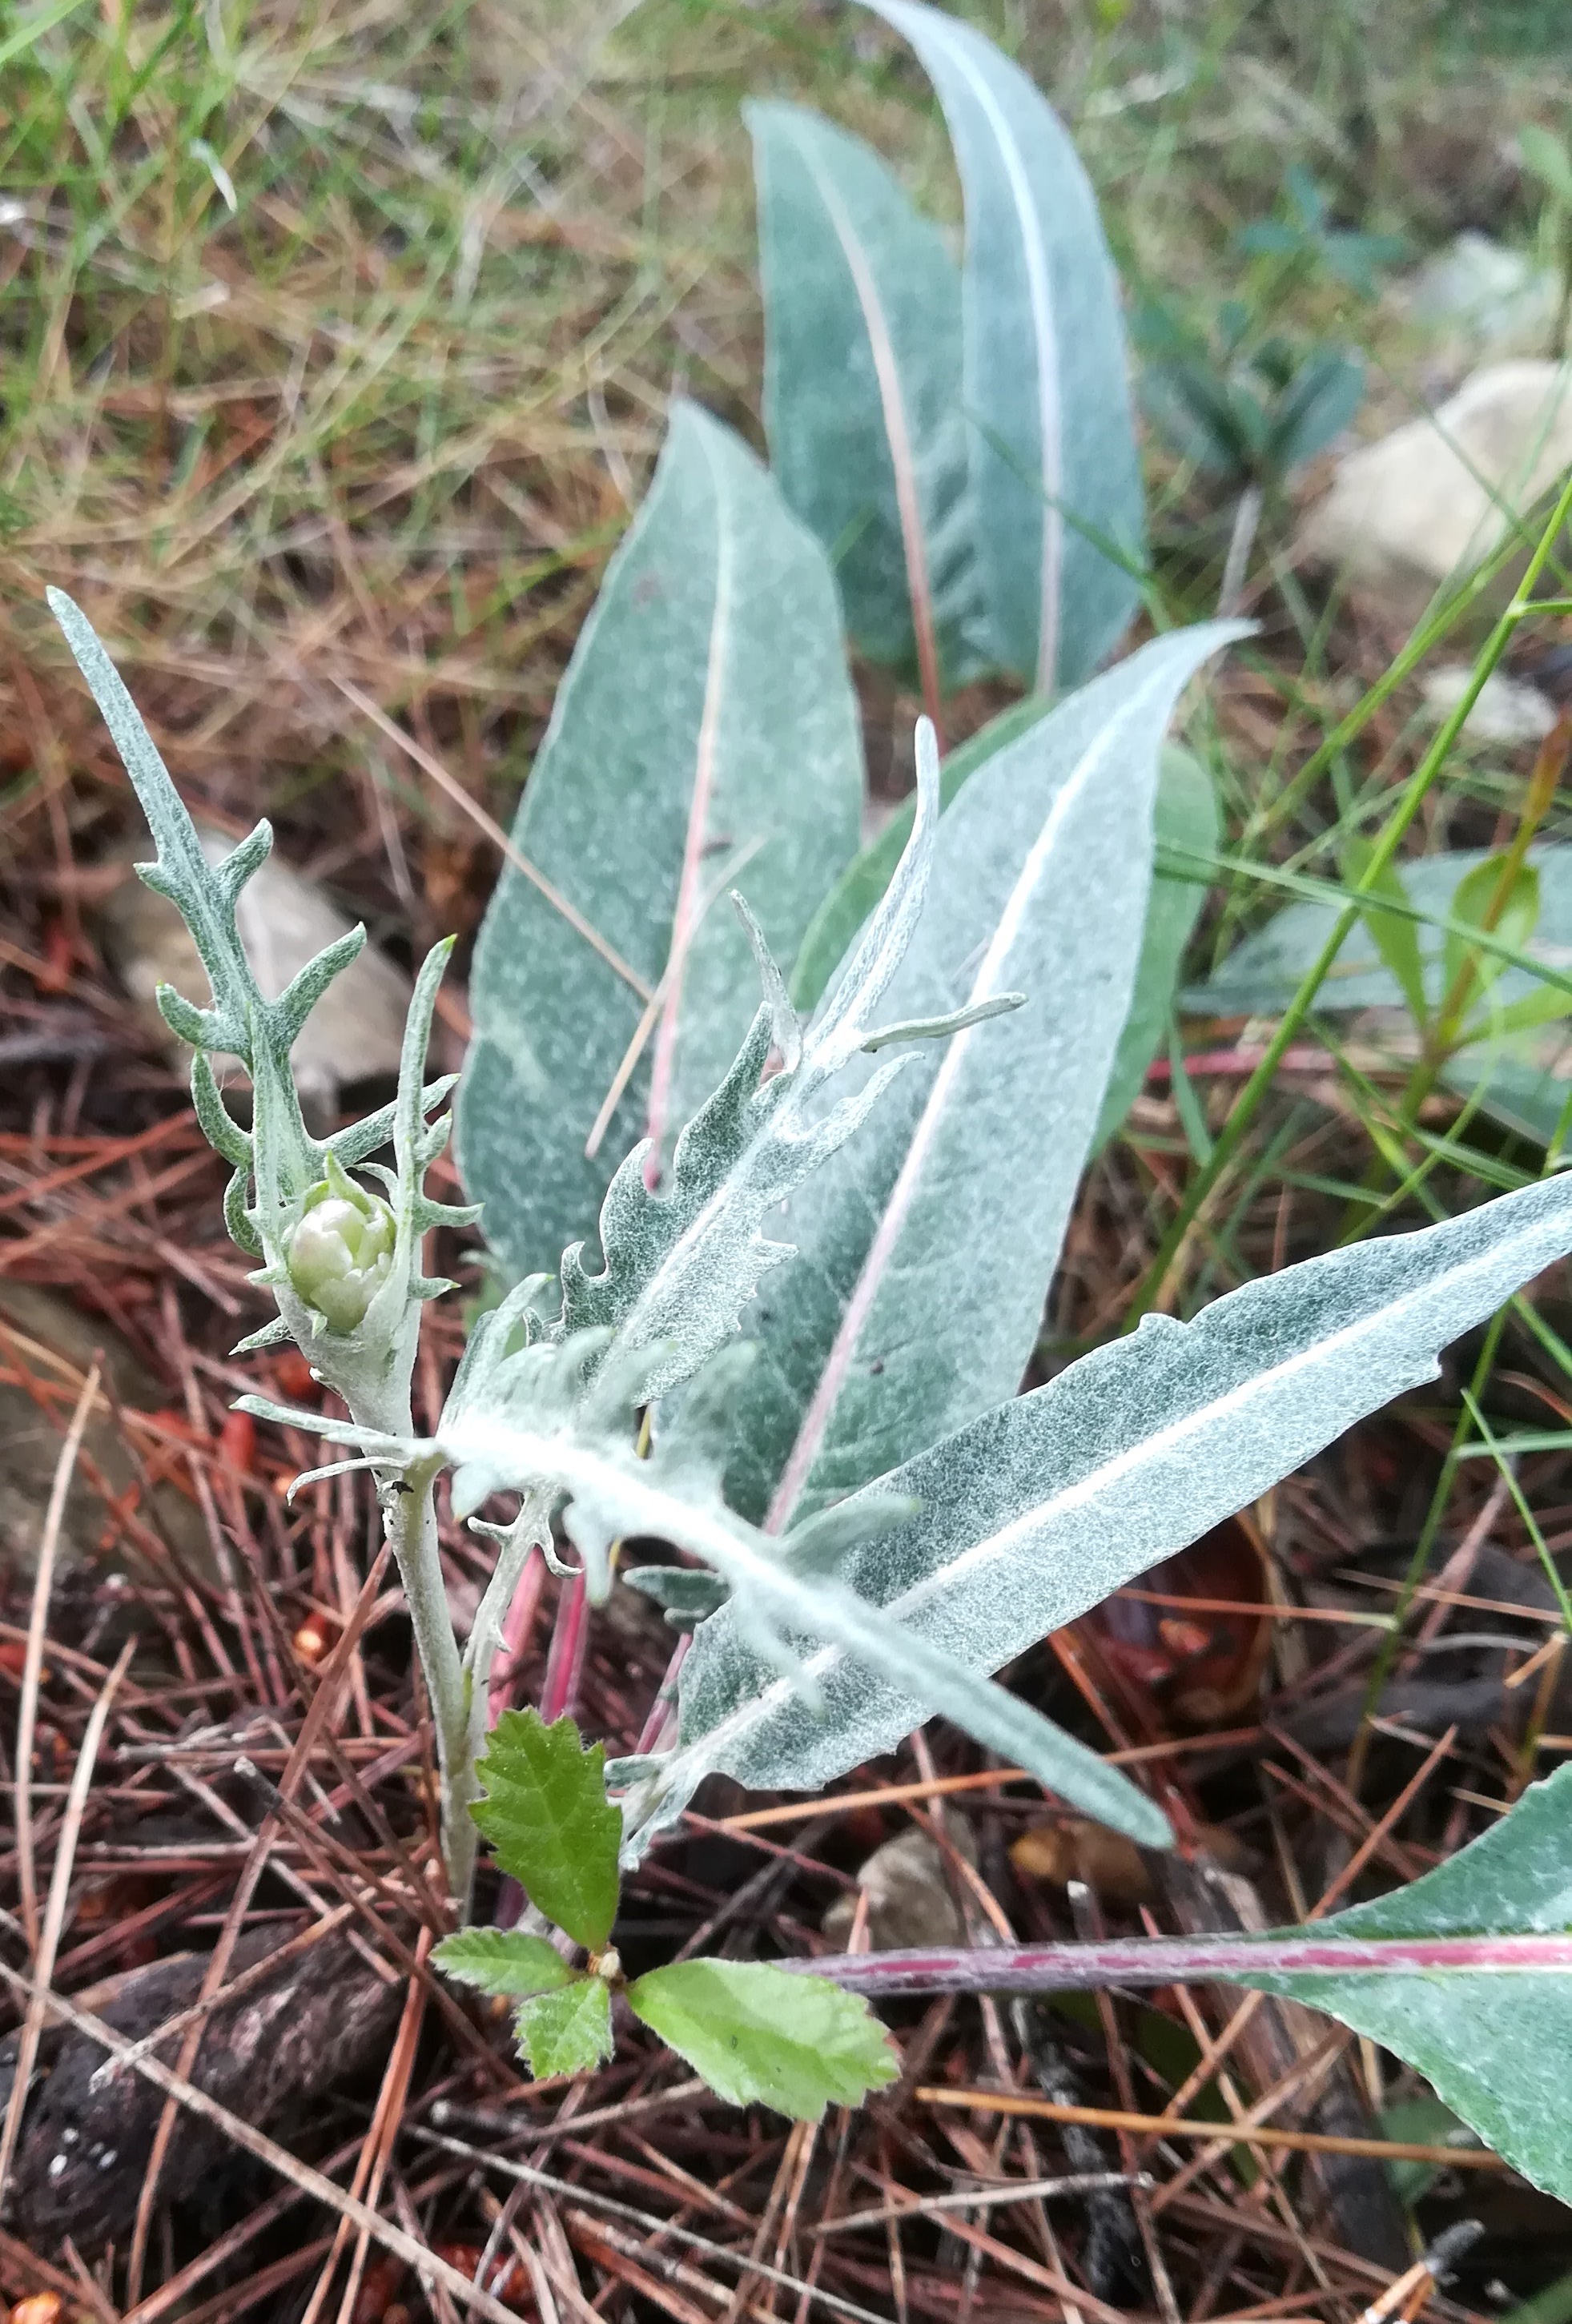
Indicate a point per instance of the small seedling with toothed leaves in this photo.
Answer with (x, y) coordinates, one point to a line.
(756, 2033)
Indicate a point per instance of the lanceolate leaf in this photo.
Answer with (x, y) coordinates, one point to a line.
(1037, 1511)
(1185, 816)
(511, 1428)
(1495, 2045)
(926, 1249)
(762, 2036)
(546, 1814)
(682, 1263)
(705, 734)
(1052, 450)
(863, 391)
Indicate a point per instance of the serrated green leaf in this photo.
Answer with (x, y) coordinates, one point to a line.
(546, 1815)
(863, 388)
(909, 1309)
(568, 2032)
(1495, 2046)
(1040, 1509)
(768, 2036)
(503, 1960)
(706, 735)
(1055, 478)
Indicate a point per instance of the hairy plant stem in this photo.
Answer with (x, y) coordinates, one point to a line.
(1177, 1960)
(407, 1498)
(410, 1516)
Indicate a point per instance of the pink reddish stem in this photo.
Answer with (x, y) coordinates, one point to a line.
(513, 1644)
(564, 1660)
(1189, 1960)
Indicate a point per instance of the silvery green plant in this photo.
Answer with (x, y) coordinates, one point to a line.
(828, 1221)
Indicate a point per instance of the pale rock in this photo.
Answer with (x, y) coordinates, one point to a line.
(911, 1901)
(1479, 298)
(1507, 711)
(356, 1030)
(1430, 499)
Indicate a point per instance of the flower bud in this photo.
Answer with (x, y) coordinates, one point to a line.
(341, 1251)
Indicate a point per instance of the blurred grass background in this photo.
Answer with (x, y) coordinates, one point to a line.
(337, 338)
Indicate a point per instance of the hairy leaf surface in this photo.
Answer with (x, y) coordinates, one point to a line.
(545, 1422)
(765, 2036)
(1185, 818)
(1042, 1508)
(863, 388)
(926, 1247)
(1495, 2045)
(1051, 447)
(706, 733)
(509, 1432)
(833, 929)
(683, 1261)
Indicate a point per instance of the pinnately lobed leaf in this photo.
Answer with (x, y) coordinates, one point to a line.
(546, 1814)
(683, 1260)
(863, 391)
(1056, 484)
(554, 1418)
(762, 2036)
(706, 731)
(568, 2032)
(833, 929)
(1495, 2046)
(926, 1247)
(503, 1960)
(1042, 1508)
(581, 1451)
(1184, 818)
